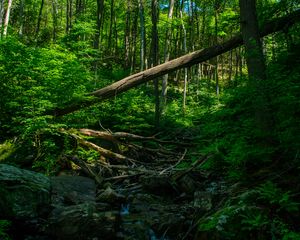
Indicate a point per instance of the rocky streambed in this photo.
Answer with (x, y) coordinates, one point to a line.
(74, 207)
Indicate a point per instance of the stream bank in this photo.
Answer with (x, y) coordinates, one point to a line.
(74, 207)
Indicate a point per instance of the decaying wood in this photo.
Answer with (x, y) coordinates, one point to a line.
(178, 63)
(104, 152)
(198, 163)
(113, 136)
(116, 136)
(86, 168)
(123, 170)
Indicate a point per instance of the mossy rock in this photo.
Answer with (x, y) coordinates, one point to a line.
(23, 194)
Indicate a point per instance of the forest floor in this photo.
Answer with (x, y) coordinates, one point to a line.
(157, 194)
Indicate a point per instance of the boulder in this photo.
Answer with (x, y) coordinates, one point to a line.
(82, 221)
(23, 194)
(71, 190)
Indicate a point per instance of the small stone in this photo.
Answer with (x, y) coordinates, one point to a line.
(110, 196)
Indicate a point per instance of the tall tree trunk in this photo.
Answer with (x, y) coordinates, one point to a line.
(154, 17)
(134, 40)
(1, 15)
(217, 8)
(39, 20)
(127, 36)
(255, 63)
(111, 25)
(99, 16)
(167, 54)
(185, 51)
(142, 29)
(54, 19)
(21, 18)
(116, 35)
(6, 20)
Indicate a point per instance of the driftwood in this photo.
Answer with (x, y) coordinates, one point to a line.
(170, 66)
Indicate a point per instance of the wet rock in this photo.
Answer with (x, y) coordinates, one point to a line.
(82, 221)
(110, 196)
(186, 184)
(153, 217)
(23, 194)
(71, 190)
(160, 185)
(203, 200)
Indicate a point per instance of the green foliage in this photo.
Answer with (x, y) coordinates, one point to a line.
(35, 80)
(4, 227)
(257, 213)
(6, 149)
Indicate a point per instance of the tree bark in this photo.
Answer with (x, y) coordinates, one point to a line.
(155, 59)
(127, 37)
(21, 18)
(54, 19)
(178, 63)
(6, 20)
(1, 15)
(39, 20)
(167, 55)
(142, 27)
(112, 15)
(255, 64)
(185, 51)
(251, 38)
(100, 8)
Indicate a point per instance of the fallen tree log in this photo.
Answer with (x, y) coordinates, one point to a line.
(117, 136)
(104, 152)
(178, 63)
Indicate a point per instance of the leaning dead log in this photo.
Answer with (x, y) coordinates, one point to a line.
(178, 63)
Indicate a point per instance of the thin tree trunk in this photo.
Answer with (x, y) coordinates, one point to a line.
(185, 51)
(6, 20)
(116, 35)
(134, 40)
(67, 17)
(127, 39)
(111, 25)
(54, 19)
(154, 17)
(230, 67)
(217, 6)
(142, 27)
(99, 16)
(39, 20)
(21, 17)
(1, 16)
(167, 55)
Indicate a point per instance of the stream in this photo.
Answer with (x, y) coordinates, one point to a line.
(154, 207)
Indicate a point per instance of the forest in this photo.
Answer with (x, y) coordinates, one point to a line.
(150, 119)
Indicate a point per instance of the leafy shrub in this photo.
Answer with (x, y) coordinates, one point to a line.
(4, 227)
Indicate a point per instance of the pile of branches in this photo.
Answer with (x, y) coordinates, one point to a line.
(133, 155)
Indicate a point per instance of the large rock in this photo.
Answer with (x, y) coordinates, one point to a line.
(71, 190)
(82, 221)
(75, 214)
(23, 194)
